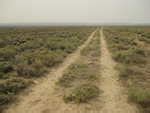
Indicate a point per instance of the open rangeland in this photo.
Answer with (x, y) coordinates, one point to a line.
(130, 48)
(75, 70)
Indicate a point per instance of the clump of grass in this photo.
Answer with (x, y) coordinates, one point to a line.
(5, 98)
(33, 70)
(93, 48)
(79, 79)
(65, 80)
(51, 58)
(74, 71)
(10, 88)
(78, 71)
(145, 37)
(131, 56)
(5, 67)
(7, 52)
(128, 71)
(140, 96)
(82, 93)
(13, 86)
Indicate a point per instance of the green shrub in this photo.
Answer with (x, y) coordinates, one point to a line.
(66, 80)
(127, 71)
(9, 89)
(140, 96)
(130, 56)
(33, 70)
(7, 75)
(139, 51)
(2, 42)
(76, 72)
(51, 58)
(5, 99)
(13, 86)
(82, 93)
(7, 52)
(63, 44)
(31, 44)
(1, 74)
(93, 48)
(5, 67)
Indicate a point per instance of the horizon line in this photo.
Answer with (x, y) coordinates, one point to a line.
(76, 24)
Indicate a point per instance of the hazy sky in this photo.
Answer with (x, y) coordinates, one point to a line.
(74, 11)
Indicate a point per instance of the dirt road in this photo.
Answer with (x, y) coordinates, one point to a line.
(114, 97)
(43, 97)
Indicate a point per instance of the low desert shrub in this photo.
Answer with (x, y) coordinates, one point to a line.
(140, 96)
(82, 93)
(34, 70)
(130, 56)
(5, 67)
(9, 89)
(5, 99)
(7, 52)
(51, 58)
(13, 86)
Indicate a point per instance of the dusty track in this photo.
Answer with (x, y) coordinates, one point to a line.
(114, 97)
(43, 97)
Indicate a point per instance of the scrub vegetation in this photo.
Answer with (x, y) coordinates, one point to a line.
(29, 52)
(80, 81)
(130, 47)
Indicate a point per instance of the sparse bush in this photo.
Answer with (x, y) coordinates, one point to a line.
(13, 86)
(145, 39)
(66, 80)
(29, 45)
(128, 71)
(76, 72)
(7, 52)
(5, 99)
(2, 43)
(82, 93)
(9, 89)
(140, 96)
(93, 48)
(33, 70)
(5, 67)
(51, 58)
(130, 56)
(7, 75)
(1, 74)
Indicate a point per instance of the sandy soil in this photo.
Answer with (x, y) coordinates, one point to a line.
(114, 95)
(43, 97)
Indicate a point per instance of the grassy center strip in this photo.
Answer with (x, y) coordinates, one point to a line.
(80, 80)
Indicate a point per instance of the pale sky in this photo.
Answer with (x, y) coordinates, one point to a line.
(74, 11)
